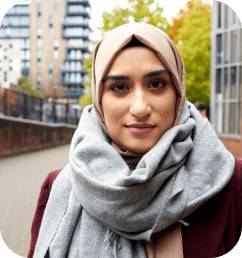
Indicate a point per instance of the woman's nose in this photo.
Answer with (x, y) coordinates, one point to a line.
(140, 105)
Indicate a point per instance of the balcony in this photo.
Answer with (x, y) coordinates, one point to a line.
(83, 49)
(74, 94)
(65, 82)
(68, 81)
(72, 36)
(83, 2)
(73, 77)
(6, 23)
(78, 12)
(75, 24)
(66, 70)
(15, 13)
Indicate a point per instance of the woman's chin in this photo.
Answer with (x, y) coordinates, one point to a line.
(139, 148)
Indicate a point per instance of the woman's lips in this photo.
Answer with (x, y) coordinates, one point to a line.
(140, 129)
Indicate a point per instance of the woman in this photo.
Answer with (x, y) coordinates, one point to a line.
(147, 175)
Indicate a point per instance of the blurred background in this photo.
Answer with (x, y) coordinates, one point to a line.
(46, 51)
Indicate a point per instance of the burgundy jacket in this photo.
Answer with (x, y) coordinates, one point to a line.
(214, 228)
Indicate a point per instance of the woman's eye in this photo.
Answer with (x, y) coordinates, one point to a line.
(157, 85)
(118, 88)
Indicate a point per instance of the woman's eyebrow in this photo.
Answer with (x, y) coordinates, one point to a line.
(154, 73)
(116, 77)
(122, 77)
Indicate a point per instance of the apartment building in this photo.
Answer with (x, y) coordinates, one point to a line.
(47, 46)
(60, 41)
(14, 45)
(75, 29)
(226, 77)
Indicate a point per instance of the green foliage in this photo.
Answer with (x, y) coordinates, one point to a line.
(139, 11)
(85, 99)
(87, 64)
(147, 11)
(192, 33)
(27, 88)
(190, 30)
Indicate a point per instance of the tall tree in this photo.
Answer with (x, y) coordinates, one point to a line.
(191, 31)
(147, 11)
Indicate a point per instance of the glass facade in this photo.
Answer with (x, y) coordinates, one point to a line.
(226, 65)
(77, 31)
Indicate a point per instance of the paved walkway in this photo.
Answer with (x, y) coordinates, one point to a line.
(20, 181)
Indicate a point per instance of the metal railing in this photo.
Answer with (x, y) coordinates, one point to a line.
(19, 105)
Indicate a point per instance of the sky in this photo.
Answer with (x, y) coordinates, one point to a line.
(171, 9)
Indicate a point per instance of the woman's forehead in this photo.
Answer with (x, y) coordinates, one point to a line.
(136, 56)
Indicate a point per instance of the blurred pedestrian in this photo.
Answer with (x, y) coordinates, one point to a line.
(64, 111)
(49, 111)
(202, 109)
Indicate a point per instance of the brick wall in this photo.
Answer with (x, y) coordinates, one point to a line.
(18, 135)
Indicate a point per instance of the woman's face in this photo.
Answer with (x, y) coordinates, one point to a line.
(138, 99)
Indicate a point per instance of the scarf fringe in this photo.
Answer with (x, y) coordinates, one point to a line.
(183, 223)
(112, 240)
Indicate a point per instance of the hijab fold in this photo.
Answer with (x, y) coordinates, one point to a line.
(98, 205)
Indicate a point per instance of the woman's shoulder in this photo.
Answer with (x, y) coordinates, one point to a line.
(235, 184)
(41, 204)
(49, 180)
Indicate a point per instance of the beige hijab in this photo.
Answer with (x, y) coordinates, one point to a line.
(168, 243)
(107, 49)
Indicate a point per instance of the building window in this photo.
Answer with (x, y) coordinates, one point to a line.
(78, 66)
(10, 43)
(233, 45)
(226, 16)
(38, 81)
(219, 52)
(1, 65)
(25, 43)
(27, 54)
(51, 67)
(56, 7)
(39, 55)
(10, 65)
(51, 22)
(39, 34)
(233, 17)
(66, 77)
(7, 32)
(219, 14)
(56, 87)
(5, 53)
(22, 32)
(22, 43)
(56, 48)
(0, 43)
(73, 66)
(22, 54)
(226, 74)
(39, 11)
(5, 76)
(78, 78)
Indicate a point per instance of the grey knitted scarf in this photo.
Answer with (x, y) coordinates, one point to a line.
(98, 207)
